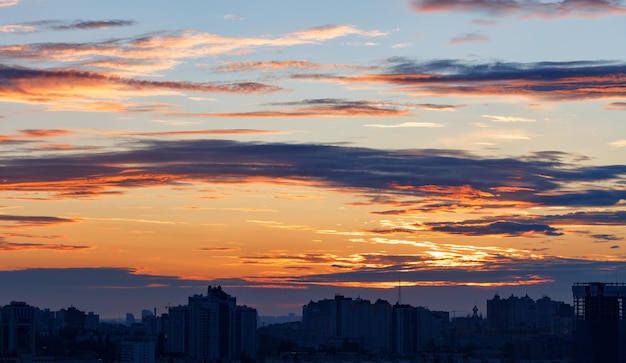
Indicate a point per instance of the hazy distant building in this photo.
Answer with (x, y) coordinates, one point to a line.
(92, 321)
(332, 322)
(130, 319)
(17, 329)
(514, 313)
(321, 319)
(599, 330)
(431, 327)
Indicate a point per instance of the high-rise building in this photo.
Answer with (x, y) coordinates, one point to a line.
(211, 327)
(599, 329)
(176, 329)
(17, 329)
(404, 329)
(245, 331)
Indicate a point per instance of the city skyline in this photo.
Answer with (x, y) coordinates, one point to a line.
(291, 150)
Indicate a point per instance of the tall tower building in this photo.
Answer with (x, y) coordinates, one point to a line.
(245, 332)
(599, 329)
(211, 328)
(404, 329)
(17, 329)
(211, 319)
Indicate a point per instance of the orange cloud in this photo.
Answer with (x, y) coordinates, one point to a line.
(9, 246)
(460, 192)
(4, 3)
(25, 135)
(60, 88)
(174, 46)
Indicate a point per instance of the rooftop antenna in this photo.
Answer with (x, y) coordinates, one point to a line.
(399, 291)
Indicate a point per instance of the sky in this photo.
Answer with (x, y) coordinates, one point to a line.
(289, 151)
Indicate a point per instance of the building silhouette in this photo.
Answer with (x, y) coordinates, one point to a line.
(599, 329)
(515, 313)
(211, 327)
(137, 351)
(17, 329)
(333, 322)
(404, 329)
(379, 327)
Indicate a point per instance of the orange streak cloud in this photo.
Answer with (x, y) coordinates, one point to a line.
(54, 86)
(7, 246)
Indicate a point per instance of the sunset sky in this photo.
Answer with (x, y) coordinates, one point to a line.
(292, 150)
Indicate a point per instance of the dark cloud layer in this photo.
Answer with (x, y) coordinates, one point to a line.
(498, 228)
(407, 172)
(436, 178)
(517, 225)
(551, 80)
(33, 220)
(545, 80)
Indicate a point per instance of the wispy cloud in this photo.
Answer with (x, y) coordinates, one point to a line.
(31, 27)
(525, 8)
(469, 38)
(401, 45)
(606, 237)
(200, 132)
(437, 107)
(17, 28)
(219, 249)
(4, 3)
(406, 124)
(233, 17)
(618, 143)
(293, 64)
(93, 24)
(321, 107)
(616, 106)
(10, 246)
(496, 118)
